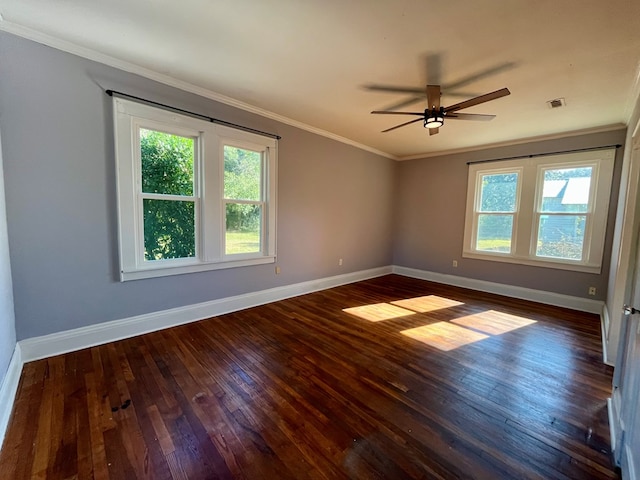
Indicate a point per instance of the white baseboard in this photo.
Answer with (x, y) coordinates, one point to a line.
(540, 296)
(8, 390)
(604, 322)
(84, 337)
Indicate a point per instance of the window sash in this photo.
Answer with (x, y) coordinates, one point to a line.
(261, 231)
(196, 136)
(535, 246)
(477, 211)
(498, 242)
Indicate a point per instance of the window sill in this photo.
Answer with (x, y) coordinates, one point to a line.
(547, 263)
(165, 271)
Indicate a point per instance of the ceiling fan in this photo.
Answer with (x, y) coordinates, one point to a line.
(434, 115)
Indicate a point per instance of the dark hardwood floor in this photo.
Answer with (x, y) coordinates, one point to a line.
(300, 389)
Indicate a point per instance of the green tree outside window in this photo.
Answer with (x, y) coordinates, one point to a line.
(167, 169)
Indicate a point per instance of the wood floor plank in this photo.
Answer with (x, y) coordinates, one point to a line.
(327, 386)
(95, 422)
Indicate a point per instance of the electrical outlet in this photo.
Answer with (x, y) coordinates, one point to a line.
(455, 263)
(340, 262)
(277, 270)
(592, 290)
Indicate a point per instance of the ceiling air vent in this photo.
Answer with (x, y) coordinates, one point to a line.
(556, 103)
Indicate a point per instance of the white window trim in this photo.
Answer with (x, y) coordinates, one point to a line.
(529, 191)
(208, 190)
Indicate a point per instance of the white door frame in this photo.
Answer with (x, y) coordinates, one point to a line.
(624, 421)
(626, 235)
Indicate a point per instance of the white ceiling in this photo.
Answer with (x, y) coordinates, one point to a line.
(310, 60)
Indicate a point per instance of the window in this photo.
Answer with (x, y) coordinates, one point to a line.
(547, 211)
(192, 195)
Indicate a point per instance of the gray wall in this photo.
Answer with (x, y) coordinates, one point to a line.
(7, 320)
(430, 212)
(335, 201)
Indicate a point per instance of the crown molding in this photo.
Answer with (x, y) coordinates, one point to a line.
(93, 55)
(521, 141)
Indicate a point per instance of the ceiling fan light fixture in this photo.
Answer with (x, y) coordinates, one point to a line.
(436, 120)
(433, 122)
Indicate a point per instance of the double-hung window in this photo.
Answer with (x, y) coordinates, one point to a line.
(547, 211)
(192, 195)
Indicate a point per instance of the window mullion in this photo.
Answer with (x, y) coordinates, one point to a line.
(527, 211)
(211, 185)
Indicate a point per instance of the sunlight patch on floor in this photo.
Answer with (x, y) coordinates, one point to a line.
(493, 322)
(444, 335)
(377, 312)
(428, 303)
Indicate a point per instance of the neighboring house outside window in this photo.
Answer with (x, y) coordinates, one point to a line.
(192, 195)
(547, 211)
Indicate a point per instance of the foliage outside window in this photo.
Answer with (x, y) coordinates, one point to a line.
(192, 195)
(242, 197)
(547, 211)
(167, 195)
(496, 212)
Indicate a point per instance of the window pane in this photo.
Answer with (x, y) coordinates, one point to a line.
(167, 163)
(243, 228)
(169, 229)
(566, 190)
(498, 192)
(242, 174)
(561, 236)
(494, 233)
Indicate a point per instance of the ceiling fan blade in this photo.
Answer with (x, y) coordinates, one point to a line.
(393, 89)
(487, 97)
(433, 131)
(448, 93)
(470, 116)
(402, 125)
(433, 96)
(406, 103)
(433, 66)
(391, 112)
(419, 98)
(479, 75)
